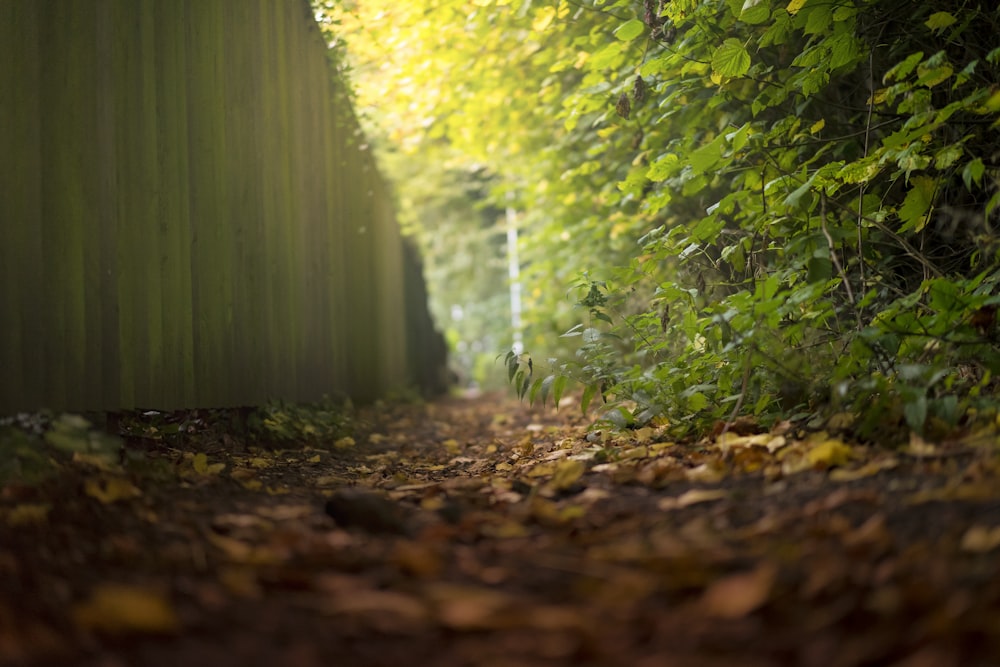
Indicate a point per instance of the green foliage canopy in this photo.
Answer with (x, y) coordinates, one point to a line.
(765, 206)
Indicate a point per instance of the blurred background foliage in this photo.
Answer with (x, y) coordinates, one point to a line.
(779, 208)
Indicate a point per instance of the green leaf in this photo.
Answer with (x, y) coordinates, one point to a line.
(697, 401)
(973, 173)
(588, 396)
(512, 365)
(914, 211)
(664, 167)
(903, 69)
(939, 21)
(915, 412)
(755, 12)
(558, 387)
(629, 30)
(731, 59)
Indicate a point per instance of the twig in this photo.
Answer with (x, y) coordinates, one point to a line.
(739, 401)
(835, 258)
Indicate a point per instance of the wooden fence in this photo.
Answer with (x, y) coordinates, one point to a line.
(188, 213)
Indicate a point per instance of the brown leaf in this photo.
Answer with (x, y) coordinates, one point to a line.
(119, 609)
(738, 595)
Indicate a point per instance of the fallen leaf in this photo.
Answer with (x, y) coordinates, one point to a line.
(286, 512)
(120, 609)
(344, 443)
(202, 467)
(110, 489)
(918, 447)
(417, 559)
(692, 497)
(840, 421)
(239, 551)
(705, 473)
(389, 611)
(829, 453)
(471, 608)
(27, 513)
(867, 470)
(981, 539)
(568, 473)
(738, 595)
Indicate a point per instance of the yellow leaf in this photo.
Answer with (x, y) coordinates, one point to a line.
(313, 459)
(202, 467)
(817, 126)
(645, 434)
(110, 489)
(542, 470)
(568, 472)
(344, 443)
(451, 445)
(101, 461)
(705, 473)
(27, 514)
(829, 453)
(639, 452)
(119, 609)
(543, 19)
(794, 6)
(867, 470)
(260, 463)
(692, 497)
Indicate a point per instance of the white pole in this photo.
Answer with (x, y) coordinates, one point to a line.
(514, 275)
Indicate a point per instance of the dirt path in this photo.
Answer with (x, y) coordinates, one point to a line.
(482, 532)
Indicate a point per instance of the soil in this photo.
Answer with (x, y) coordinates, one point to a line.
(486, 532)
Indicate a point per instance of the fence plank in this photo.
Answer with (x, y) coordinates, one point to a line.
(189, 215)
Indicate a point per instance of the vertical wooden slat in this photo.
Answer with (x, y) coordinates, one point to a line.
(20, 207)
(206, 146)
(177, 371)
(139, 236)
(68, 117)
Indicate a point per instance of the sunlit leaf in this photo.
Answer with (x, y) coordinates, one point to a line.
(794, 6)
(829, 453)
(629, 30)
(731, 59)
(939, 21)
(692, 497)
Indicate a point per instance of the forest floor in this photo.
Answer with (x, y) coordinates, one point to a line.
(485, 532)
